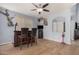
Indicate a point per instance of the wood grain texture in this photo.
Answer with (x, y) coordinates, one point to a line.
(44, 47)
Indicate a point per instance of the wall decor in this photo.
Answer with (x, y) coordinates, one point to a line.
(45, 22)
(10, 23)
(9, 18)
(40, 21)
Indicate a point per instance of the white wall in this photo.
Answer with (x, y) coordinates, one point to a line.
(73, 20)
(23, 21)
(49, 34)
(72, 28)
(6, 33)
(65, 11)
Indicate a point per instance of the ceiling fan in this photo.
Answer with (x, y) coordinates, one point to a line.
(40, 8)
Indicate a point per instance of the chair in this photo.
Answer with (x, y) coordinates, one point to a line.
(16, 40)
(33, 36)
(23, 38)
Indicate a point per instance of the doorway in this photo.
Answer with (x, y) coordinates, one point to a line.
(76, 34)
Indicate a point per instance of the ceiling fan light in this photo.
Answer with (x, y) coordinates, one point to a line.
(39, 10)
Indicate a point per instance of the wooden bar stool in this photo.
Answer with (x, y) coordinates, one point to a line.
(33, 36)
(23, 38)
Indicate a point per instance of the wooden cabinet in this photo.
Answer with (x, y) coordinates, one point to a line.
(16, 40)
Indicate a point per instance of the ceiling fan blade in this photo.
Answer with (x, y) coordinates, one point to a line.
(34, 9)
(35, 5)
(46, 10)
(45, 5)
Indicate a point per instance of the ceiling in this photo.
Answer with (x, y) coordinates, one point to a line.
(25, 8)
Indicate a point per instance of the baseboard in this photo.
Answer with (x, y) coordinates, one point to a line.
(6, 43)
(69, 43)
(57, 41)
(52, 39)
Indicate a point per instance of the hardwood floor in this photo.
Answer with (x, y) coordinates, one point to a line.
(75, 42)
(44, 47)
